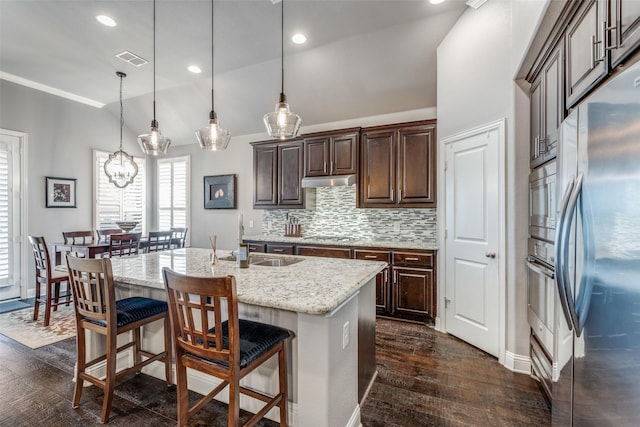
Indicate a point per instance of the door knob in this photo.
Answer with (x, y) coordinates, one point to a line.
(490, 254)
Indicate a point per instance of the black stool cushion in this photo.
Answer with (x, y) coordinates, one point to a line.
(255, 339)
(132, 309)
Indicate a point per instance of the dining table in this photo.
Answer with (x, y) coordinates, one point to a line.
(89, 250)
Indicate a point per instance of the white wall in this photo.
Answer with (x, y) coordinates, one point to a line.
(477, 62)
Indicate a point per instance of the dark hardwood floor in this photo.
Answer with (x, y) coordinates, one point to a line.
(425, 378)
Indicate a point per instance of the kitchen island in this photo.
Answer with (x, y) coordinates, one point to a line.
(328, 303)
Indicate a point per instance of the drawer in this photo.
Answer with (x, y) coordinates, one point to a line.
(257, 247)
(541, 366)
(413, 259)
(344, 253)
(373, 255)
(279, 249)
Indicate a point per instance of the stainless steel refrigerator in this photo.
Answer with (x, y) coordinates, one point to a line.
(597, 258)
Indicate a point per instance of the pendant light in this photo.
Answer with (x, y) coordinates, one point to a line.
(154, 142)
(120, 166)
(282, 123)
(213, 137)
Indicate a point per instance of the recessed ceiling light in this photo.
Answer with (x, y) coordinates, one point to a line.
(436, 1)
(194, 69)
(106, 20)
(298, 38)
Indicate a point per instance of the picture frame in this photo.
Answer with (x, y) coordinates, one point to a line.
(61, 192)
(220, 192)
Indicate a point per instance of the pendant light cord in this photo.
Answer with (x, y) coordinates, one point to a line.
(282, 47)
(212, 20)
(121, 110)
(154, 61)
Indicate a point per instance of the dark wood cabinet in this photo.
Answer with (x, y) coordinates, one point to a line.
(587, 57)
(398, 166)
(331, 153)
(414, 286)
(280, 248)
(547, 109)
(257, 247)
(277, 174)
(383, 290)
(625, 32)
(323, 251)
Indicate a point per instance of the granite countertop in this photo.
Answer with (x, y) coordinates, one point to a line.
(313, 286)
(347, 242)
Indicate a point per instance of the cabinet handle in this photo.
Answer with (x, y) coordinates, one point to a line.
(392, 194)
(594, 46)
(324, 169)
(386, 276)
(400, 195)
(331, 167)
(542, 146)
(411, 259)
(278, 250)
(371, 256)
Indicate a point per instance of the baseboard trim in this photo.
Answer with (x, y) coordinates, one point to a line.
(354, 421)
(517, 363)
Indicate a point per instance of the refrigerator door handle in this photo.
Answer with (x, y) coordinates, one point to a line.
(566, 233)
(559, 250)
(585, 287)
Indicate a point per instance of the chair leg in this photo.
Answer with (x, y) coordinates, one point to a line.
(234, 401)
(282, 374)
(168, 350)
(137, 348)
(36, 304)
(182, 392)
(47, 309)
(110, 380)
(80, 365)
(56, 296)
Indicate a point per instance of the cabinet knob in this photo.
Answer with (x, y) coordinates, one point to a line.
(490, 254)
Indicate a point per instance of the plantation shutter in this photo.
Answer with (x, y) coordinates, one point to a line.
(6, 220)
(173, 192)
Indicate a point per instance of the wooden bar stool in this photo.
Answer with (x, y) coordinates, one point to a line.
(159, 241)
(97, 310)
(227, 349)
(178, 236)
(47, 275)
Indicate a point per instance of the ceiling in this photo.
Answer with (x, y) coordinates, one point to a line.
(362, 57)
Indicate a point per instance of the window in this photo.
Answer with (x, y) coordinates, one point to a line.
(173, 192)
(6, 234)
(119, 204)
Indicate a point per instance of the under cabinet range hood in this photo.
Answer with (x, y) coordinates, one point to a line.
(328, 181)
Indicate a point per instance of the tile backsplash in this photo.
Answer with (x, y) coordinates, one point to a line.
(336, 215)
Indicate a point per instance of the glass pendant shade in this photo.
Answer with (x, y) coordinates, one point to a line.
(213, 137)
(282, 123)
(154, 143)
(120, 167)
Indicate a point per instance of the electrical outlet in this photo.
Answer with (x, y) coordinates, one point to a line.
(250, 223)
(345, 335)
(396, 227)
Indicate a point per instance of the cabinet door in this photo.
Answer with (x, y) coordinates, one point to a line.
(553, 105)
(587, 58)
(290, 156)
(417, 166)
(277, 248)
(377, 169)
(625, 15)
(535, 121)
(316, 161)
(265, 175)
(413, 293)
(383, 291)
(344, 154)
(323, 251)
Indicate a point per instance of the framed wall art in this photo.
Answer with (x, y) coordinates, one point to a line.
(220, 192)
(61, 192)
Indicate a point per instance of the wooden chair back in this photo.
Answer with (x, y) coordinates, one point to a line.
(93, 290)
(103, 235)
(159, 241)
(41, 257)
(179, 236)
(124, 244)
(197, 304)
(77, 237)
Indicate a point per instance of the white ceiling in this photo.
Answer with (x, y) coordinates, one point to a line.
(362, 57)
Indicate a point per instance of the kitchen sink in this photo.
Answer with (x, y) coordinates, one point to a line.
(266, 260)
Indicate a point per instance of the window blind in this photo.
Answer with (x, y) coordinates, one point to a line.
(173, 192)
(6, 220)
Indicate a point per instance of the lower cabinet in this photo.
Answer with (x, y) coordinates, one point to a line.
(277, 248)
(383, 290)
(324, 251)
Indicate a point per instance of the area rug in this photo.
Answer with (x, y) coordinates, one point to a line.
(20, 326)
(8, 306)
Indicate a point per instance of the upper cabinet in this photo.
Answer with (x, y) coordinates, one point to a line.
(397, 166)
(547, 108)
(331, 153)
(587, 56)
(277, 174)
(625, 29)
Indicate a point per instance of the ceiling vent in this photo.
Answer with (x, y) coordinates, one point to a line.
(132, 58)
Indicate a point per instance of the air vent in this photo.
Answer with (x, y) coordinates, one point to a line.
(132, 58)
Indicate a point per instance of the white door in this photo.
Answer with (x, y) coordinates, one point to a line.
(473, 171)
(10, 214)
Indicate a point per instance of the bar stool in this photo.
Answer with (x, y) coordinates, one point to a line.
(47, 275)
(228, 349)
(159, 241)
(97, 310)
(178, 236)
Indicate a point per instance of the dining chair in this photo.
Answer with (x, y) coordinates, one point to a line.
(97, 310)
(103, 235)
(78, 237)
(228, 349)
(178, 237)
(51, 278)
(124, 244)
(159, 241)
